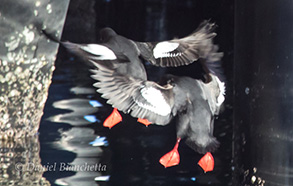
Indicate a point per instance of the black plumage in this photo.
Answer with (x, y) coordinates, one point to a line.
(126, 53)
(194, 102)
(122, 80)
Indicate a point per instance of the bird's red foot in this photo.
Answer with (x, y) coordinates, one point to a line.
(207, 162)
(144, 121)
(113, 119)
(172, 158)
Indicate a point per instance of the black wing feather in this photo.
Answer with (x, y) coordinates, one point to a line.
(124, 93)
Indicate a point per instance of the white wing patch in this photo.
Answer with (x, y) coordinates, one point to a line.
(164, 48)
(155, 101)
(104, 53)
(221, 97)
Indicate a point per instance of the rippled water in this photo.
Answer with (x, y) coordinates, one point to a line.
(83, 152)
(72, 147)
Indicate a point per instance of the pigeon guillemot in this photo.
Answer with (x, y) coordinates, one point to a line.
(123, 81)
(193, 101)
(124, 54)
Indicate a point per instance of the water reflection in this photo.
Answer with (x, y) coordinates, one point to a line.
(20, 162)
(133, 151)
(79, 109)
(130, 151)
(80, 139)
(87, 164)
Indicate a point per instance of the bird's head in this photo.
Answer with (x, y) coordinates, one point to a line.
(106, 34)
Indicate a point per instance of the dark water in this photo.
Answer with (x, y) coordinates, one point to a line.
(129, 153)
(255, 128)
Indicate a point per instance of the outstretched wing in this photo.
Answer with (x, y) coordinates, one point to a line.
(178, 52)
(140, 98)
(90, 51)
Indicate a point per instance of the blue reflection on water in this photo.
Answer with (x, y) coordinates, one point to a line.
(73, 134)
(130, 150)
(95, 103)
(102, 178)
(99, 141)
(70, 131)
(91, 118)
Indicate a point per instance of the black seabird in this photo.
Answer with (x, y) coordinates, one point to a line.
(194, 102)
(122, 80)
(127, 53)
(124, 54)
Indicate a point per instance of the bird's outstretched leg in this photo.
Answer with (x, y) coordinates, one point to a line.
(207, 162)
(113, 119)
(172, 158)
(144, 121)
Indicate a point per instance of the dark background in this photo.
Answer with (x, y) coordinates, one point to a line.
(255, 128)
(135, 149)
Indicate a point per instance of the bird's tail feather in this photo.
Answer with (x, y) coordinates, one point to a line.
(209, 146)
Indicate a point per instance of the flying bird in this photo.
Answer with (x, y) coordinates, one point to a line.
(127, 53)
(194, 102)
(122, 80)
(123, 55)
